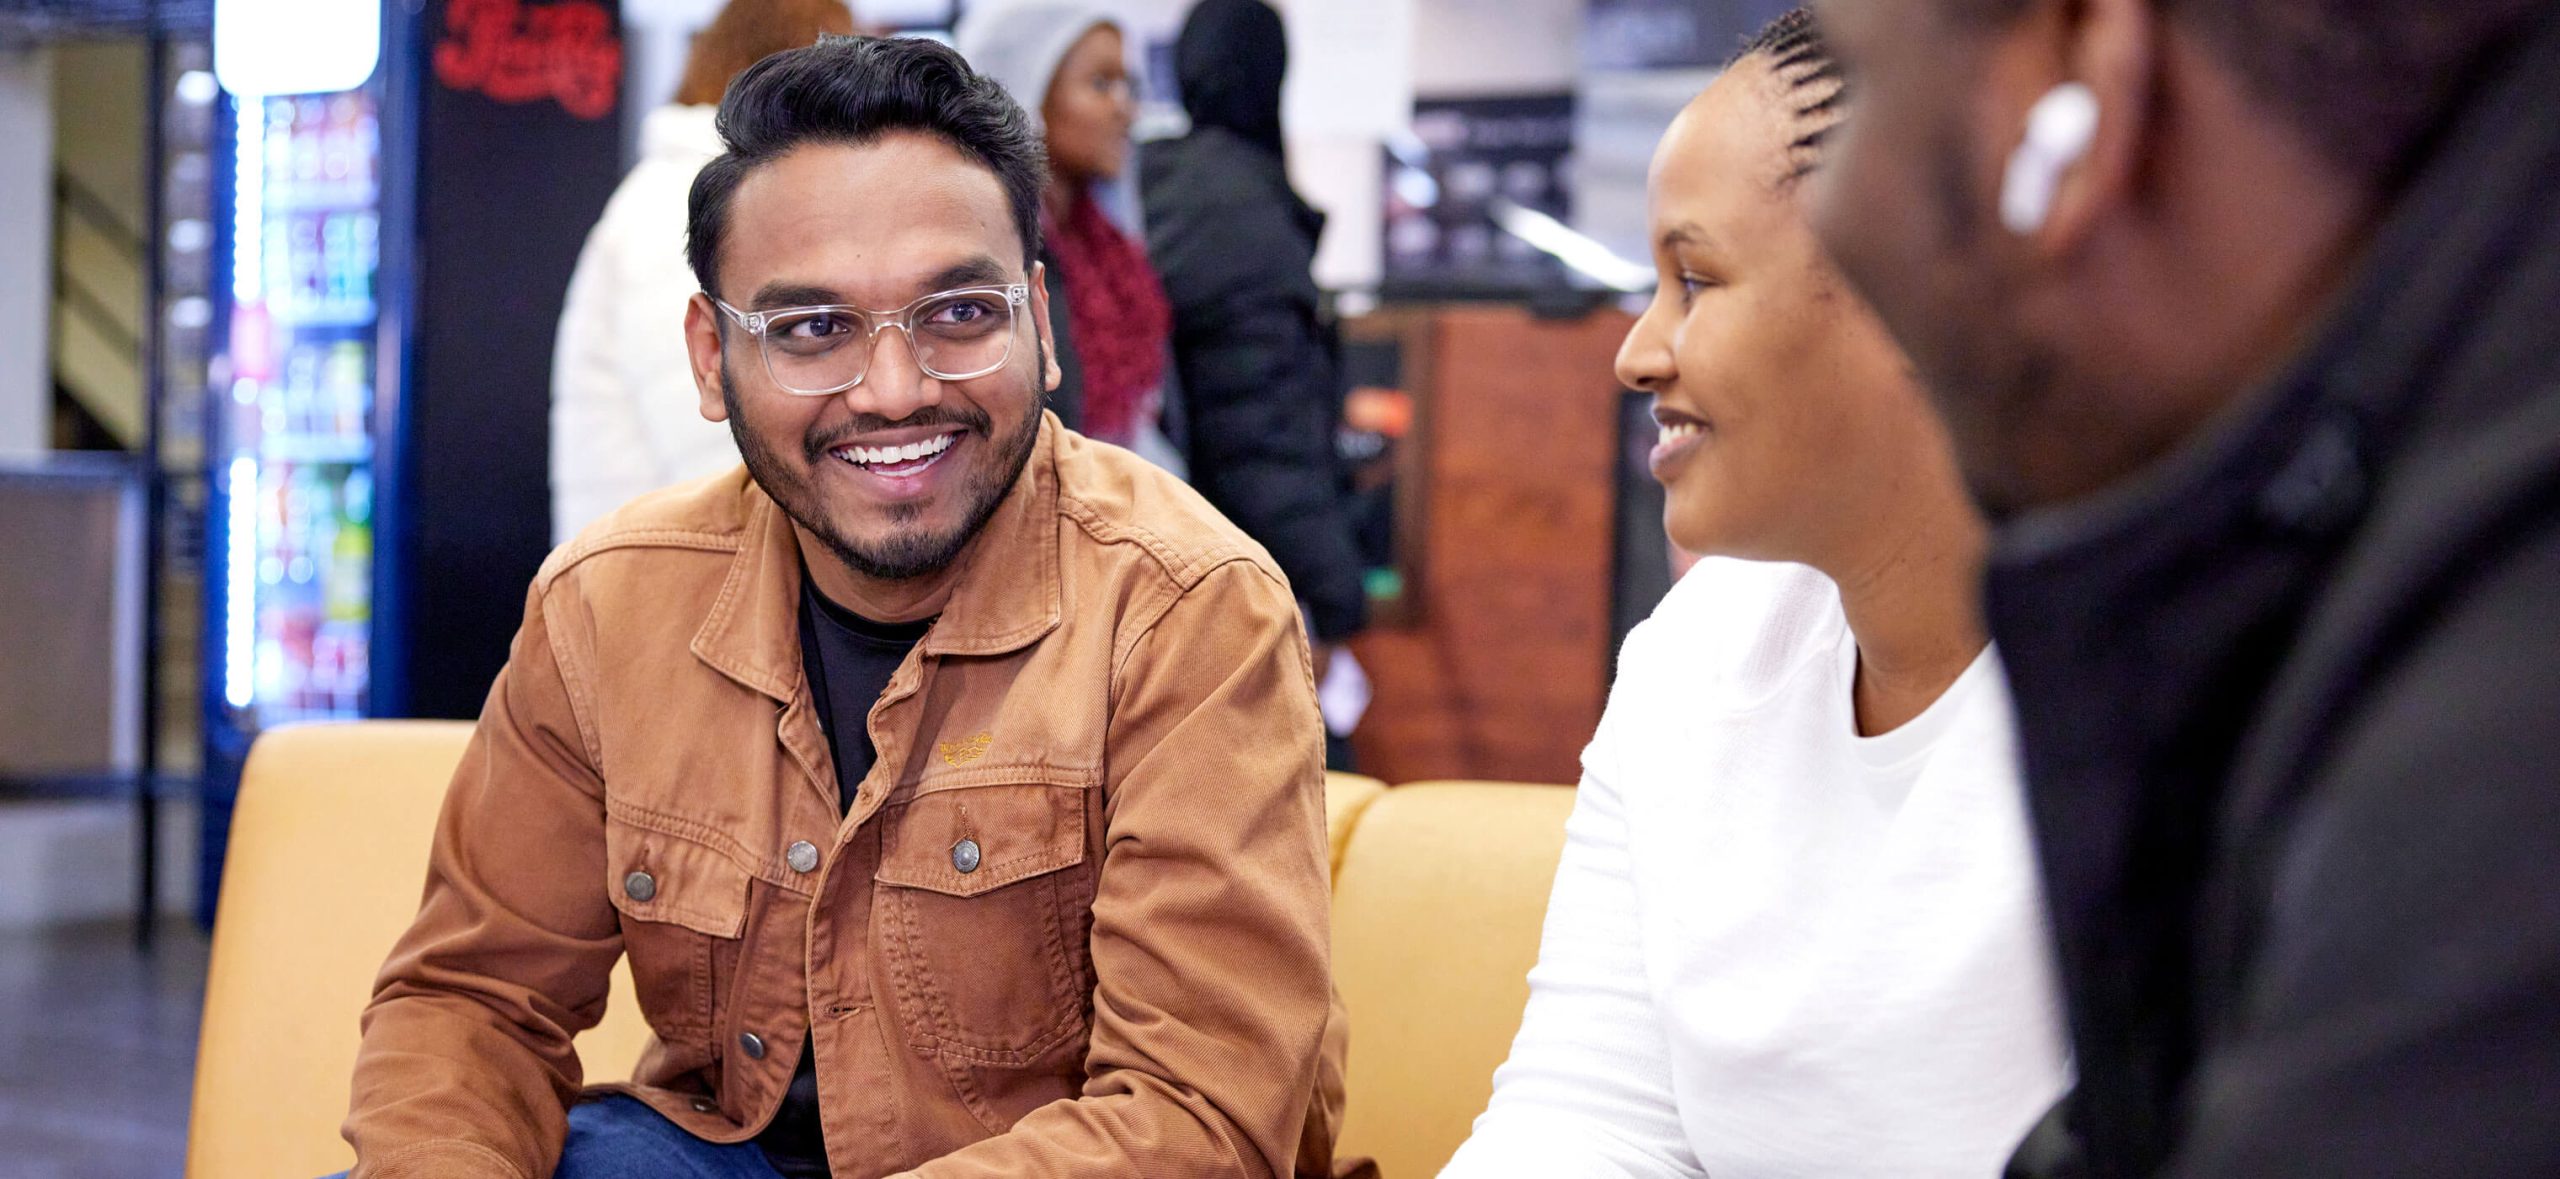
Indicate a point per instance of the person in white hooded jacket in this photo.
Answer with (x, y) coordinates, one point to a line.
(624, 415)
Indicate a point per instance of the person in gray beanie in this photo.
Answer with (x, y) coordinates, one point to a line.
(1066, 63)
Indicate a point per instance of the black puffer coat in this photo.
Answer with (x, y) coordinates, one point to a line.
(1256, 361)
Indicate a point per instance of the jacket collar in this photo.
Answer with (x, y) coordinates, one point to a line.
(1009, 596)
(1006, 597)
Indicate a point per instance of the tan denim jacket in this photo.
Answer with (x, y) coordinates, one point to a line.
(1075, 923)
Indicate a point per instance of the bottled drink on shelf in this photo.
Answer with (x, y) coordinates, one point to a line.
(368, 145)
(366, 239)
(279, 141)
(277, 265)
(338, 657)
(346, 390)
(310, 281)
(271, 417)
(301, 383)
(308, 116)
(338, 148)
(336, 260)
(351, 552)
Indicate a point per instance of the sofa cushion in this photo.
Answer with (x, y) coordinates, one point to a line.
(327, 859)
(1437, 906)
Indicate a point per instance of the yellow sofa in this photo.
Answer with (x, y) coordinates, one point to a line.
(1439, 889)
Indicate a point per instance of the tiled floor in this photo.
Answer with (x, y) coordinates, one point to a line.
(97, 1051)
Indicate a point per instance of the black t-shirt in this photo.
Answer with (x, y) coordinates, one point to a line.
(848, 659)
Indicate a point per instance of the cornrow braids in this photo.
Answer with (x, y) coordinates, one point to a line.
(1800, 57)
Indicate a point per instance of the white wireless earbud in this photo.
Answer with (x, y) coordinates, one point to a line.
(2059, 129)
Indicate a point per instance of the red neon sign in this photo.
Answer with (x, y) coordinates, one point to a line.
(511, 51)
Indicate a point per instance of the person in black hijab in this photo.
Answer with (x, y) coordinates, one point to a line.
(1233, 244)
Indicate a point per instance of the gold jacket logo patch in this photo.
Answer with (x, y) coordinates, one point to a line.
(966, 749)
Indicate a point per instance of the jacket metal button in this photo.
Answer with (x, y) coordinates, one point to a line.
(640, 886)
(802, 856)
(751, 1044)
(703, 1105)
(964, 855)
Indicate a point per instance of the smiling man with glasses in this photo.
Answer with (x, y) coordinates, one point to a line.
(953, 783)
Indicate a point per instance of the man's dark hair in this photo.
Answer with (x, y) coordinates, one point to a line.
(2367, 82)
(853, 90)
(1802, 60)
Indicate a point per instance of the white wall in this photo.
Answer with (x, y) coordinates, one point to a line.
(26, 250)
(1466, 48)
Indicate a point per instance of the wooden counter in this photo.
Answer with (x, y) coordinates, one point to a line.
(1499, 668)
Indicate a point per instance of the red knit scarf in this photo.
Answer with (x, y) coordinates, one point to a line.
(1117, 313)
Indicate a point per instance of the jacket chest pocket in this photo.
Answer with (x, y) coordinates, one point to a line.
(684, 910)
(980, 916)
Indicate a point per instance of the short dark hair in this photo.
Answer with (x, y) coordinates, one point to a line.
(2367, 84)
(853, 90)
(1802, 59)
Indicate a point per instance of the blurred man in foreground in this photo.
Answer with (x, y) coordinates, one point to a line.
(2240, 312)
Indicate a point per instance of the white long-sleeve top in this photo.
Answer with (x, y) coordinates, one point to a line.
(1775, 947)
(624, 415)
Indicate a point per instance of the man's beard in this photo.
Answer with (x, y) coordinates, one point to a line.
(906, 553)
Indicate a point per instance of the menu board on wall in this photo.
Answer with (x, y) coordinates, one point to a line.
(1670, 34)
(1447, 187)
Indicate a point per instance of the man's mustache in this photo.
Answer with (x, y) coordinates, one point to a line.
(871, 423)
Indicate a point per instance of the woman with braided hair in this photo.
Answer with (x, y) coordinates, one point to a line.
(1797, 929)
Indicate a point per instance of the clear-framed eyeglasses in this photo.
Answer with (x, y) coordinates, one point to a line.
(817, 351)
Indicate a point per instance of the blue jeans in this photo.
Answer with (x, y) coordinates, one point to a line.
(617, 1137)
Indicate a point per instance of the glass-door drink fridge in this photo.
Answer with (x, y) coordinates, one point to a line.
(403, 189)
